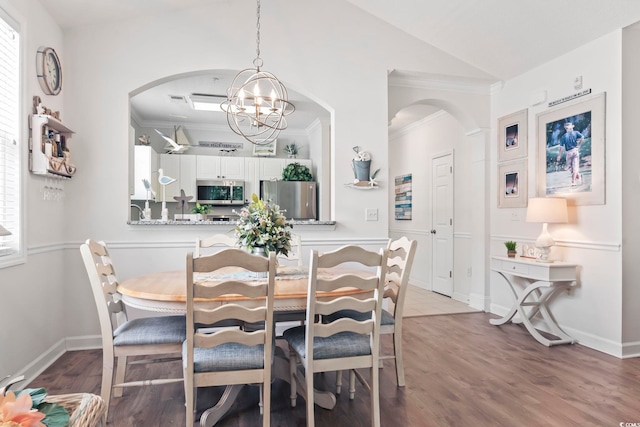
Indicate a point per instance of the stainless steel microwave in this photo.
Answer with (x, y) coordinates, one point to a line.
(220, 192)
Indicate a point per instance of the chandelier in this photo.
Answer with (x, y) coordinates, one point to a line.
(257, 102)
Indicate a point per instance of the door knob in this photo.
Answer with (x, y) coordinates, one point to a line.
(433, 231)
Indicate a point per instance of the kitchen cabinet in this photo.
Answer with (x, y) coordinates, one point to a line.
(270, 169)
(218, 167)
(182, 168)
(251, 177)
(145, 164)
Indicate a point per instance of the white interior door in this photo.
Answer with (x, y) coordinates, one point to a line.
(442, 230)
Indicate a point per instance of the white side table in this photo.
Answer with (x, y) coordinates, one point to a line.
(533, 284)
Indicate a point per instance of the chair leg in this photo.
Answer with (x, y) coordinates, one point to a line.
(292, 377)
(261, 402)
(121, 366)
(107, 383)
(311, 421)
(266, 398)
(190, 396)
(352, 384)
(338, 382)
(397, 351)
(375, 396)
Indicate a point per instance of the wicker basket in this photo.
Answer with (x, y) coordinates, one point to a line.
(85, 409)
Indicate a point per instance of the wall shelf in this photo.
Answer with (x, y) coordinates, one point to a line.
(40, 163)
(363, 185)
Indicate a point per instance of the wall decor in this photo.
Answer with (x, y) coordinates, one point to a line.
(512, 184)
(266, 149)
(512, 136)
(403, 197)
(571, 152)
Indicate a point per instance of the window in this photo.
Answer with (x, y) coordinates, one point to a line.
(10, 165)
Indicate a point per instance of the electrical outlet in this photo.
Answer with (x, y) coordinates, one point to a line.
(371, 214)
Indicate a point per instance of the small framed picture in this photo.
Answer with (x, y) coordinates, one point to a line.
(512, 136)
(265, 149)
(512, 184)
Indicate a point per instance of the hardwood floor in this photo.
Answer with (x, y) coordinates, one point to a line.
(460, 371)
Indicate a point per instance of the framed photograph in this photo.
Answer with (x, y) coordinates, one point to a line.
(512, 136)
(512, 184)
(266, 149)
(571, 152)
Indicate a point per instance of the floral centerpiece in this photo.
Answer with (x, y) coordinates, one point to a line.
(263, 225)
(27, 408)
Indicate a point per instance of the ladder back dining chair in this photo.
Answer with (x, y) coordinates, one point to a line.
(217, 240)
(122, 337)
(344, 344)
(228, 355)
(399, 262)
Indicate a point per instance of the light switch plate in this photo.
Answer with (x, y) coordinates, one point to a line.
(371, 214)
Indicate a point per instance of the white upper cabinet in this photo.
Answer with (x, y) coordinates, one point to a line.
(181, 167)
(271, 169)
(215, 167)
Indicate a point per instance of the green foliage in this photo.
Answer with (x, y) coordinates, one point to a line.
(201, 209)
(291, 149)
(55, 415)
(296, 172)
(511, 246)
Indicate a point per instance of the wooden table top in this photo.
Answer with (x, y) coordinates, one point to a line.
(170, 286)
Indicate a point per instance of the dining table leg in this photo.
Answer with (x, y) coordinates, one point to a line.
(280, 369)
(212, 415)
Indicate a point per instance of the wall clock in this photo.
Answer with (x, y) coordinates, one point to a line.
(49, 70)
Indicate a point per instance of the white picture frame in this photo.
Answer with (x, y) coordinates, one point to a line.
(512, 136)
(265, 149)
(512, 184)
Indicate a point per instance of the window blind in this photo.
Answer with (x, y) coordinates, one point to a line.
(9, 135)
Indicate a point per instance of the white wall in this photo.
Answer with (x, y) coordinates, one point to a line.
(411, 150)
(343, 69)
(592, 238)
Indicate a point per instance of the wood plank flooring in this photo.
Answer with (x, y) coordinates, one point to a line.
(421, 302)
(460, 371)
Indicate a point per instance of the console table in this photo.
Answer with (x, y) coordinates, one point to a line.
(533, 284)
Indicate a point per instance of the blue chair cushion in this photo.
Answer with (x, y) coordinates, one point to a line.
(343, 344)
(386, 318)
(226, 357)
(151, 330)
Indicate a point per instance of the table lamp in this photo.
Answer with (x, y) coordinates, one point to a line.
(546, 210)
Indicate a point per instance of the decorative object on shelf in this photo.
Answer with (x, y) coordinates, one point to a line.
(291, 150)
(164, 181)
(49, 70)
(175, 147)
(28, 407)
(268, 149)
(263, 225)
(296, 172)
(530, 251)
(257, 102)
(183, 202)
(49, 152)
(144, 139)
(511, 248)
(147, 210)
(546, 210)
(361, 165)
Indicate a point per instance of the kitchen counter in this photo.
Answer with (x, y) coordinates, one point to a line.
(223, 223)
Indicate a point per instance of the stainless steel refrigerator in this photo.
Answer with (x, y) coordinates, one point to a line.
(297, 198)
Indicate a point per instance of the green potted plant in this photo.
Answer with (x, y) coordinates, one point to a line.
(262, 228)
(292, 150)
(201, 210)
(296, 172)
(511, 248)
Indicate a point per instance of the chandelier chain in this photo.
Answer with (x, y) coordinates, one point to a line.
(258, 61)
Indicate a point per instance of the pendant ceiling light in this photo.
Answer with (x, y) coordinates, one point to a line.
(257, 102)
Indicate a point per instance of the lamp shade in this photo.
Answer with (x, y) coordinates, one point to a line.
(4, 231)
(547, 209)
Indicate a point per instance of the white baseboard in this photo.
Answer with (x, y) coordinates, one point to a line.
(53, 353)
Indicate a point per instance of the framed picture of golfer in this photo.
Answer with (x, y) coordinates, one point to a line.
(571, 142)
(512, 136)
